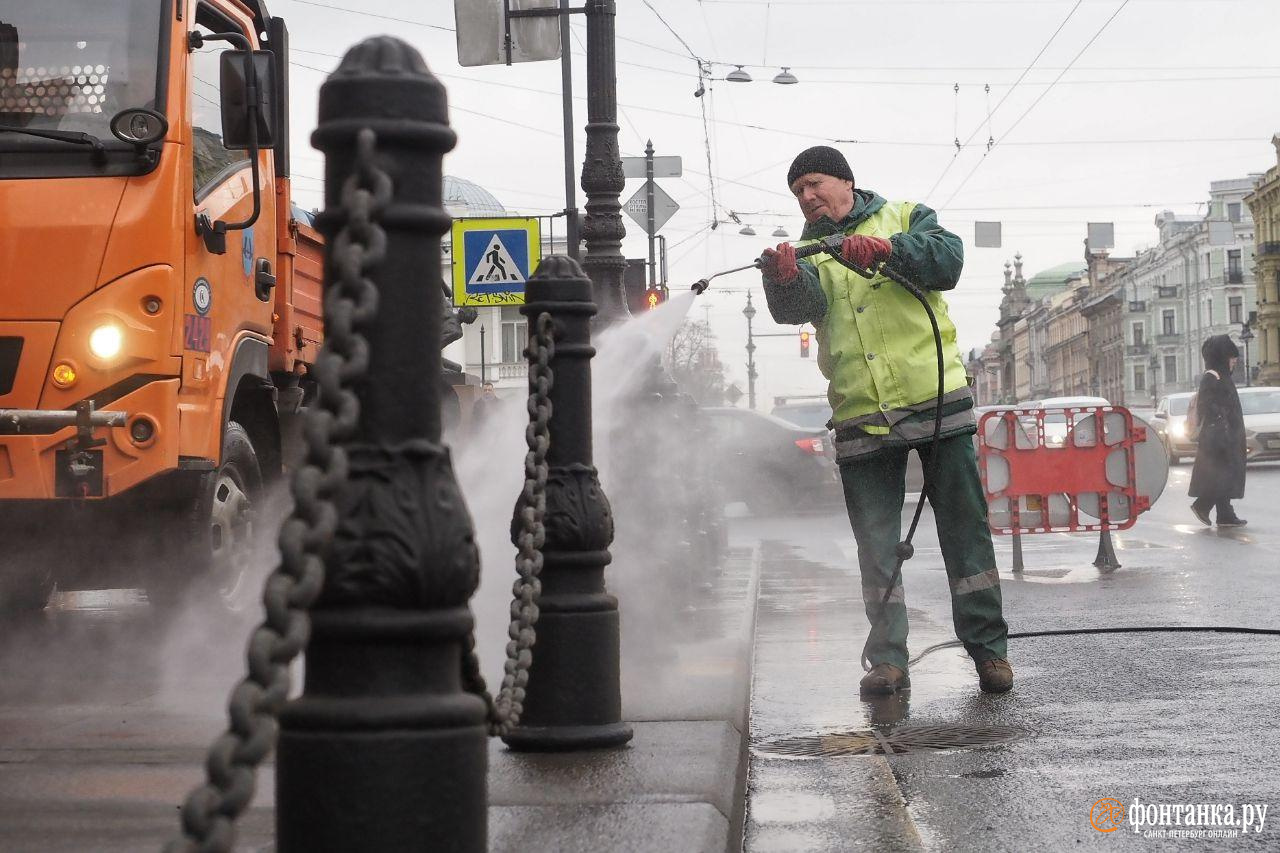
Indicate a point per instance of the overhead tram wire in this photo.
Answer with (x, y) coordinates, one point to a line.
(376, 15)
(1040, 98)
(990, 113)
(835, 140)
(702, 104)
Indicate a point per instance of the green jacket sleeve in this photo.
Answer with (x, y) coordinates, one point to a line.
(799, 301)
(928, 254)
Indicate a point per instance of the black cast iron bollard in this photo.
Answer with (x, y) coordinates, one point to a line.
(573, 700)
(384, 750)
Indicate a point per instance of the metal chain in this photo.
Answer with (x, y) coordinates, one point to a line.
(504, 711)
(351, 301)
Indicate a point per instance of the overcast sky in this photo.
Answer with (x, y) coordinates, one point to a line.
(1153, 99)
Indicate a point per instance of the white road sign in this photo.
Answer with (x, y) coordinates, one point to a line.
(664, 207)
(482, 33)
(663, 167)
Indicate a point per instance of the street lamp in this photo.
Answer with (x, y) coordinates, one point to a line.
(781, 232)
(747, 231)
(1246, 335)
(750, 312)
(785, 77)
(1155, 383)
(738, 76)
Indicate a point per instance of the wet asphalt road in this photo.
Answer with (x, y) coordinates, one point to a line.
(1173, 718)
(1158, 717)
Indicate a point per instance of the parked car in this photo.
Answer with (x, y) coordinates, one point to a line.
(1170, 423)
(1261, 408)
(770, 464)
(811, 414)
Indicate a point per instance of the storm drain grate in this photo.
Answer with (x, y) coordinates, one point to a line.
(895, 742)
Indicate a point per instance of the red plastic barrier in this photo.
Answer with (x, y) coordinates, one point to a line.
(1038, 478)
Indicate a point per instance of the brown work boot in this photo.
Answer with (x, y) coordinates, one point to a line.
(995, 675)
(884, 678)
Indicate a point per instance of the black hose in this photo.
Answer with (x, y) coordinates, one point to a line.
(905, 550)
(1141, 629)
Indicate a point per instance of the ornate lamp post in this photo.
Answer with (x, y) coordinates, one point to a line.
(750, 312)
(1246, 335)
(602, 179)
(1153, 368)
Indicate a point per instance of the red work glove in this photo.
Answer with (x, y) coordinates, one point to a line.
(780, 264)
(865, 251)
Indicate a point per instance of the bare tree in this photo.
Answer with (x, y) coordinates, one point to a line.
(694, 363)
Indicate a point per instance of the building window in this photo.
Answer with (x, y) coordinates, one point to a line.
(1209, 304)
(1167, 323)
(1139, 378)
(1233, 211)
(1235, 309)
(1170, 369)
(1138, 335)
(515, 336)
(1235, 273)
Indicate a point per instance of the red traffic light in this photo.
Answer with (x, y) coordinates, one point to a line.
(804, 344)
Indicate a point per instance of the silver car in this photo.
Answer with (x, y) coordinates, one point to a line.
(1170, 423)
(1261, 408)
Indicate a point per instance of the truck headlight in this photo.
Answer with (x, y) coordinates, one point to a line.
(105, 341)
(1179, 429)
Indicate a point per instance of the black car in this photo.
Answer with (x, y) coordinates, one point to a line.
(772, 465)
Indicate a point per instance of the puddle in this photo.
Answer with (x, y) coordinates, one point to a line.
(791, 807)
(1072, 574)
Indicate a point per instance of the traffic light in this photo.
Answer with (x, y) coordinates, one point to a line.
(653, 297)
(804, 343)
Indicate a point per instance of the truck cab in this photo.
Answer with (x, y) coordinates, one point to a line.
(159, 299)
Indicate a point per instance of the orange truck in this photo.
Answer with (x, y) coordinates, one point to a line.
(160, 295)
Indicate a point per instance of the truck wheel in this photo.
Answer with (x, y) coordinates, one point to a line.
(217, 547)
(234, 510)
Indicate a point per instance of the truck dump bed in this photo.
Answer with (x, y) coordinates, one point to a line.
(299, 330)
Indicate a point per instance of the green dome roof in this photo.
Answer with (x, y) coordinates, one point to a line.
(1054, 279)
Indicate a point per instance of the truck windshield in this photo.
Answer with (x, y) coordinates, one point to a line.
(70, 66)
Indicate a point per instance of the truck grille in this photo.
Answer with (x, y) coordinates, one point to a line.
(10, 349)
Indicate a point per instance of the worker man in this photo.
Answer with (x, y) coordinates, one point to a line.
(876, 349)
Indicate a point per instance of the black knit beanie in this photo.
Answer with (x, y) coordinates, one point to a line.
(822, 159)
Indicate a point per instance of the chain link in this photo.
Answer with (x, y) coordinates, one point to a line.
(504, 711)
(351, 300)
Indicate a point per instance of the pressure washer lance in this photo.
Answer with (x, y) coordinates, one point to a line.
(831, 245)
(827, 244)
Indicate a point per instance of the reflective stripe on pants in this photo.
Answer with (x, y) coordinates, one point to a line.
(874, 490)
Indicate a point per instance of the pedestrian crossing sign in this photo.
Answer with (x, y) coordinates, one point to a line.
(493, 258)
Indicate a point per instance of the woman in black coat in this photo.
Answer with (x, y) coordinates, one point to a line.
(1218, 475)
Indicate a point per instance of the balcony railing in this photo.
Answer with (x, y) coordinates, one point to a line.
(513, 371)
(1170, 292)
(1137, 349)
(1169, 339)
(1137, 306)
(1269, 248)
(1233, 276)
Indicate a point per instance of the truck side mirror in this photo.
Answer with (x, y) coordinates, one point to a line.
(243, 86)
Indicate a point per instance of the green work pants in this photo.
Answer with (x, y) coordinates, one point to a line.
(874, 490)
